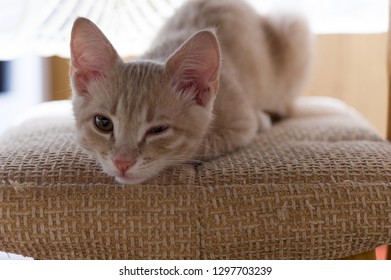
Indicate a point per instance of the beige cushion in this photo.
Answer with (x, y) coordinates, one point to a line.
(316, 186)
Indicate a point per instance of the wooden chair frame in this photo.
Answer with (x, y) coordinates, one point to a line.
(389, 93)
(371, 255)
(389, 76)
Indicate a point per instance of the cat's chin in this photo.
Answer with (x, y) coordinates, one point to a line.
(129, 180)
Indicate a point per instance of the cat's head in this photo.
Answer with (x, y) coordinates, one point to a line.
(139, 118)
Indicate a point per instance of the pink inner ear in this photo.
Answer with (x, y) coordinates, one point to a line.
(82, 79)
(199, 90)
(195, 68)
(92, 55)
(200, 85)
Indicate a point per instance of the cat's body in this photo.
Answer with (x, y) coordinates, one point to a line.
(186, 98)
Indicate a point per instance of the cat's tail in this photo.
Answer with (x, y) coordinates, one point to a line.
(291, 41)
(291, 45)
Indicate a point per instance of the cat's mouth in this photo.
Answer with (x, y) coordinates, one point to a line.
(133, 176)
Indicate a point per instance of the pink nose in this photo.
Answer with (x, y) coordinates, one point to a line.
(124, 165)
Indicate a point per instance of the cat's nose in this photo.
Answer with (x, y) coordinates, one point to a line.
(124, 165)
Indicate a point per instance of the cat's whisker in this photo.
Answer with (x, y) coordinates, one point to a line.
(70, 138)
(204, 145)
(87, 149)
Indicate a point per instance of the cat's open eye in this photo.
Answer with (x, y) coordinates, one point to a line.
(103, 123)
(156, 130)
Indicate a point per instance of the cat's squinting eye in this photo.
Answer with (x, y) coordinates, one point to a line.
(103, 123)
(157, 130)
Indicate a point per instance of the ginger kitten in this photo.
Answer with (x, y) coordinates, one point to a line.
(204, 88)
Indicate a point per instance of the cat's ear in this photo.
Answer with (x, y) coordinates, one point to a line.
(194, 68)
(92, 55)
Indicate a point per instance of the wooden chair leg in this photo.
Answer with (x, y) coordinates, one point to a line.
(371, 255)
(389, 252)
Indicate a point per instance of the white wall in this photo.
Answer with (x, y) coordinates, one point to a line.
(28, 88)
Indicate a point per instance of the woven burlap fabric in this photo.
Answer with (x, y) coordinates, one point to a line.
(316, 186)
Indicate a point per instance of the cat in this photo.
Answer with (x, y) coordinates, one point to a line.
(204, 88)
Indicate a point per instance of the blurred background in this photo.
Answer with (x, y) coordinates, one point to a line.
(34, 38)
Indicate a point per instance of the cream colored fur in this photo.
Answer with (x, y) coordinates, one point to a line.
(211, 77)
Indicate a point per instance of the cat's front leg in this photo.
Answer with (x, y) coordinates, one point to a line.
(220, 141)
(264, 121)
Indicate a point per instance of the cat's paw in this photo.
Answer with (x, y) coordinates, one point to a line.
(264, 121)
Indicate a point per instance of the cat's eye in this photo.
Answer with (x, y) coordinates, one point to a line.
(103, 123)
(157, 130)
